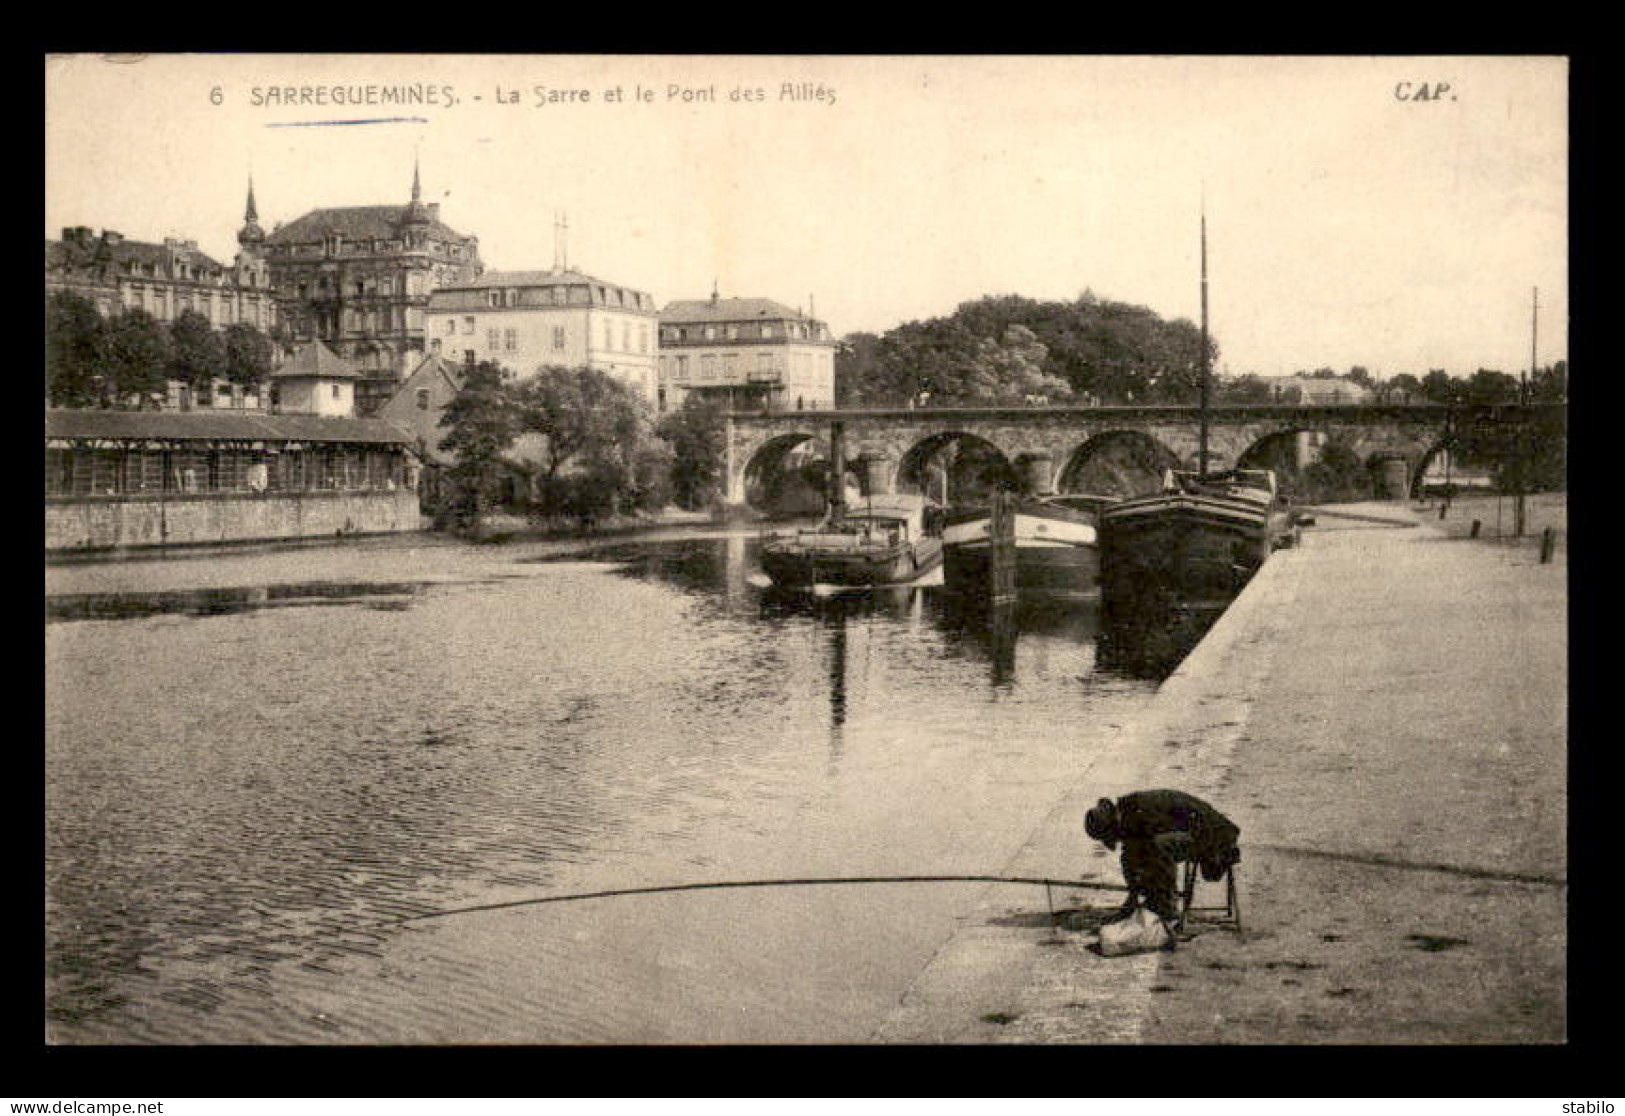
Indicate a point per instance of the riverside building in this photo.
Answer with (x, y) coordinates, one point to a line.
(750, 353)
(525, 320)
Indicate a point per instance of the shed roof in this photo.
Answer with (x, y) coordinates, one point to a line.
(315, 360)
(217, 426)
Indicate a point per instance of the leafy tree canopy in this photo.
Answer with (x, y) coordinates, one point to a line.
(585, 415)
(1005, 348)
(695, 432)
(197, 353)
(75, 352)
(247, 355)
(139, 355)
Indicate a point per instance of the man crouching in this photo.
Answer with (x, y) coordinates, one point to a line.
(1161, 829)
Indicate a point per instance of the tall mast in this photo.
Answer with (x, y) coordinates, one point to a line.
(1201, 453)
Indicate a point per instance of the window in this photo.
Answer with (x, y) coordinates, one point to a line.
(710, 333)
(733, 333)
(558, 337)
(560, 295)
(708, 366)
(643, 338)
(626, 337)
(609, 335)
(730, 367)
(468, 325)
(335, 391)
(451, 325)
(493, 339)
(493, 298)
(767, 330)
(682, 368)
(510, 339)
(423, 399)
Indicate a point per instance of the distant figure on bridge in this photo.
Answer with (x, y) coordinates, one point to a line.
(1161, 829)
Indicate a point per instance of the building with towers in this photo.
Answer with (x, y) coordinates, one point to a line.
(358, 279)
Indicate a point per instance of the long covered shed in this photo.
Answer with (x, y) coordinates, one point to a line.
(134, 478)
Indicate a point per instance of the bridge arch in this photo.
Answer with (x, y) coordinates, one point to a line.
(789, 473)
(966, 465)
(1117, 463)
(1449, 442)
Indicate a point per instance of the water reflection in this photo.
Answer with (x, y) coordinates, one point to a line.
(229, 805)
(226, 602)
(1149, 638)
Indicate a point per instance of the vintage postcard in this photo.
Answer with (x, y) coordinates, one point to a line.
(805, 549)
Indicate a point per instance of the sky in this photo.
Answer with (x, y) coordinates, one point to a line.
(1357, 212)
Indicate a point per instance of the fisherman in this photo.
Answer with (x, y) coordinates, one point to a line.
(1161, 829)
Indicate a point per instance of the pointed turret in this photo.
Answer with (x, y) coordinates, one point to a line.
(416, 212)
(251, 233)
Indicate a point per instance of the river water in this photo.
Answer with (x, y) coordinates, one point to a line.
(255, 760)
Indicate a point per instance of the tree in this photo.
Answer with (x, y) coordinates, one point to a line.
(1403, 388)
(695, 433)
(1550, 384)
(197, 354)
(76, 372)
(856, 365)
(1438, 386)
(247, 355)
(1487, 386)
(597, 430)
(1360, 375)
(1246, 388)
(480, 423)
(1105, 350)
(582, 412)
(138, 356)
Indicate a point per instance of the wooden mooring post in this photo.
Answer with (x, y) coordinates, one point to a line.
(1001, 549)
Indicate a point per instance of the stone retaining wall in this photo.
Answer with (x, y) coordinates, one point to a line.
(116, 522)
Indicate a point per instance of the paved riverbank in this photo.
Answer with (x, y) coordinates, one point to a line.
(1383, 712)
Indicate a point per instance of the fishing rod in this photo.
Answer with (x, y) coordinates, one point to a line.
(717, 885)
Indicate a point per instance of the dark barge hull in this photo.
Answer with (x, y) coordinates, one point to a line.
(1176, 548)
(799, 568)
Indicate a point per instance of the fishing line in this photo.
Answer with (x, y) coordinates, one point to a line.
(723, 884)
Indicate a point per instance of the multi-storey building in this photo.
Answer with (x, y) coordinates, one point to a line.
(358, 278)
(524, 320)
(752, 353)
(163, 279)
(166, 280)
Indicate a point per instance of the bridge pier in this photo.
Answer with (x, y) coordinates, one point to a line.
(879, 474)
(1037, 473)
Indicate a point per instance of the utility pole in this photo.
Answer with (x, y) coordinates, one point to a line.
(1519, 509)
(1201, 453)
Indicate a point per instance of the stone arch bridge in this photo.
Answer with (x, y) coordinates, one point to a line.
(1049, 446)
